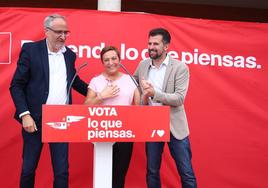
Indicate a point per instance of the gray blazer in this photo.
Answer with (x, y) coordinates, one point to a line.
(173, 93)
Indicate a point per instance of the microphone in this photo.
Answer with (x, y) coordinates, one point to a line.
(75, 75)
(132, 78)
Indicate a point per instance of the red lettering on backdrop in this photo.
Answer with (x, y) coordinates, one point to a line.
(226, 103)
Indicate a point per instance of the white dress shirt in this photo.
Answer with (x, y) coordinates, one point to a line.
(156, 76)
(57, 77)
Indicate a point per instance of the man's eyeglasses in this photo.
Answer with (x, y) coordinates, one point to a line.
(59, 33)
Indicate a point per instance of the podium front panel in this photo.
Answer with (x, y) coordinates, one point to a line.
(83, 123)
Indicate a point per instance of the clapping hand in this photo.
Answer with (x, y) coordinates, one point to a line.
(148, 89)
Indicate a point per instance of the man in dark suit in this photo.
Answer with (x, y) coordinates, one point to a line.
(44, 72)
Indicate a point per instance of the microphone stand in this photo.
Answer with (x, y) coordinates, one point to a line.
(132, 78)
(71, 83)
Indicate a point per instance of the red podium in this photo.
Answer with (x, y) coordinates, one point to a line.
(103, 125)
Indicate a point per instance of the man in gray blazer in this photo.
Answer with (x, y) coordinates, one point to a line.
(164, 81)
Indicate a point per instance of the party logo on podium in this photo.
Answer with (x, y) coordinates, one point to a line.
(63, 125)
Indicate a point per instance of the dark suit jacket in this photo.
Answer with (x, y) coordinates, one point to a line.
(30, 84)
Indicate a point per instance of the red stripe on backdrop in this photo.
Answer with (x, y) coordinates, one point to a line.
(226, 105)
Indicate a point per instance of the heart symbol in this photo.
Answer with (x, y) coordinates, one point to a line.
(160, 132)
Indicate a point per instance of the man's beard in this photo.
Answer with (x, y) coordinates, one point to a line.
(58, 46)
(156, 55)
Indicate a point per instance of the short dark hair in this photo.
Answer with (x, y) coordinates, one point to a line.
(109, 48)
(161, 31)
